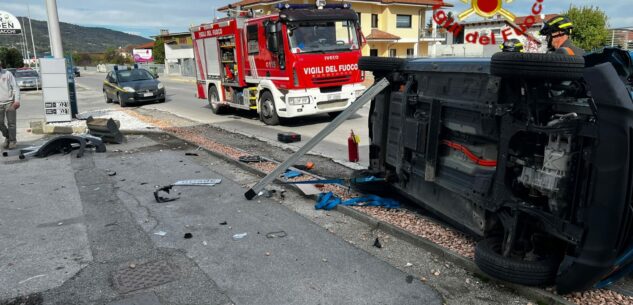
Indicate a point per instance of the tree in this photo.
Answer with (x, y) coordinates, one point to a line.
(159, 51)
(590, 26)
(11, 58)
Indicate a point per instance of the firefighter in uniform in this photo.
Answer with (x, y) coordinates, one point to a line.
(512, 45)
(557, 30)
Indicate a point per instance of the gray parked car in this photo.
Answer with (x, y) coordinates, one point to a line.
(28, 79)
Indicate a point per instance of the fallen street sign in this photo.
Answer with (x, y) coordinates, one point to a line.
(9, 25)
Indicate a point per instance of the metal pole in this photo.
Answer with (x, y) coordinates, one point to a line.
(26, 43)
(359, 103)
(37, 64)
(53, 29)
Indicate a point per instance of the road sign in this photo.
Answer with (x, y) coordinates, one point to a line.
(9, 25)
(55, 90)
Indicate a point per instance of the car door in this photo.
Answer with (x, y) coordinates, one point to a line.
(107, 85)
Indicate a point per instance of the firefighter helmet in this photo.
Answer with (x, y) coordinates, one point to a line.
(557, 24)
(512, 45)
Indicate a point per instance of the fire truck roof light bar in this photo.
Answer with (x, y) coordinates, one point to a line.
(353, 108)
(286, 6)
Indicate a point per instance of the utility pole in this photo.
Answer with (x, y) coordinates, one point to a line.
(25, 46)
(28, 9)
(53, 29)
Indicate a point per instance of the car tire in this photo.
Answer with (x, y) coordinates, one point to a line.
(122, 103)
(488, 258)
(162, 100)
(381, 64)
(107, 99)
(537, 66)
(268, 112)
(213, 97)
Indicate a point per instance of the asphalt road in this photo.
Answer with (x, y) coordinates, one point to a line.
(182, 102)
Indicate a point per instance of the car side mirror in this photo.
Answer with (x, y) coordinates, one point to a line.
(272, 37)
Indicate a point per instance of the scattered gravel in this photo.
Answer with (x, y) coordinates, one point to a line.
(407, 220)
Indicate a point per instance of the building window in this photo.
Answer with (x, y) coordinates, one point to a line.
(496, 32)
(373, 52)
(374, 21)
(393, 53)
(410, 52)
(182, 40)
(360, 18)
(403, 21)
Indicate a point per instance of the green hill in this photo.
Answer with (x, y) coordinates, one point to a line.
(75, 38)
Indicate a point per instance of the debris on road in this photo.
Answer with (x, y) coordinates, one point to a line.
(224, 223)
(278, 234)
(329, 201)
(106, 129)
(188, 236)
(63, 144)
(289, 174)
(408, 265)
(111, 173)
(377, 243)
(192, 154)
(239, 236)
(304, 167)
(166, 189)
(288, 137)
(160, 233)
(198, 182)
(250, 159)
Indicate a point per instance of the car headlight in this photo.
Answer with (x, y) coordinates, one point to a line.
(358, 93)
(128, 89)
(160, 86)
(299, 100)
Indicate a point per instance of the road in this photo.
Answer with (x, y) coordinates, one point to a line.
(182, 102)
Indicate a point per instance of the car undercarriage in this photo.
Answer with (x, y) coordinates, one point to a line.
(531, 152)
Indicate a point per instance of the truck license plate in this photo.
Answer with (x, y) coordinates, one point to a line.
(332, 97)
(146, 94)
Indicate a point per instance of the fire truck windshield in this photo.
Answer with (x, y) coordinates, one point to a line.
(311, 37)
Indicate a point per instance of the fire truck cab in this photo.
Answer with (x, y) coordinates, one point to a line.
(300, 61)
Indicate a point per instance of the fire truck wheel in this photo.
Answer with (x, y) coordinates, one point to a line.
(268, 113)
(214, 99)
(537, 66)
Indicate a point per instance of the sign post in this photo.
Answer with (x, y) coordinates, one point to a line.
(55, 90)
(9, 25)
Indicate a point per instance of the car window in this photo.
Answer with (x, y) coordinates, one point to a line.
(133, 75)
(28, 73)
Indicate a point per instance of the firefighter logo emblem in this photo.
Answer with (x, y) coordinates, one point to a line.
(487, 9)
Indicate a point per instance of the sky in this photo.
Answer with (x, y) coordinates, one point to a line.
(147, 17)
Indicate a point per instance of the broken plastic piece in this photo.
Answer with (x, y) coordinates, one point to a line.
(161, 199)
(188, 235)
(198, 182)
(224, 223)
(305, 167)
(191, 154)
(250, 159)
(377, 243)
(279, 234)
(161, 233)
(239, 236)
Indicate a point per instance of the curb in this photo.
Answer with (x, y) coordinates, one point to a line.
(539, 295)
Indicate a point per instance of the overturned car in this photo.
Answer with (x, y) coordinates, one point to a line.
(531, 152)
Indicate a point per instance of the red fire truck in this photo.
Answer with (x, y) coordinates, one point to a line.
(300, 61)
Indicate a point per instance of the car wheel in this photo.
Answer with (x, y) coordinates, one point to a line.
(107, 99)
(537, 272)
(214, 101)
(162, 100)
(380, 64)
(268, 113)
(121, 102)
(537, 66)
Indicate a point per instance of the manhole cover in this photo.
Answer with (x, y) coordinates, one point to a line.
(143, 276)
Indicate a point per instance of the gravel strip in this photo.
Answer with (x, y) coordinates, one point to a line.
(407, 220)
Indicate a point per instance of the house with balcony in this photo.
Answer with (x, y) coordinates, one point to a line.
(392, 28)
